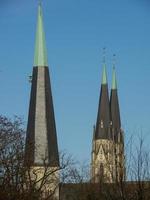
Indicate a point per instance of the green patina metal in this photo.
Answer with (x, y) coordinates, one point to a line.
(114, 80)
(40, 56)
(104, 75)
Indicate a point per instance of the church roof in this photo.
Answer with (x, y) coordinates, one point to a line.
(41, 140)
(114, 106)
(103, 116)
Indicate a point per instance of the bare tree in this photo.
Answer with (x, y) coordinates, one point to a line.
(11, 156)
(19, 181)
(136, 186)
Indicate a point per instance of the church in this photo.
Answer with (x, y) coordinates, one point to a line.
(41, 149)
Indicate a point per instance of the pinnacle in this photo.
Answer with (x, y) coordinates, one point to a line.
(40, 56)
(104, 75)
(114, 80)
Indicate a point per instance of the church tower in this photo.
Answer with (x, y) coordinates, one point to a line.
(41, 149)
(117, 132)
(107, 145)
(102, 137)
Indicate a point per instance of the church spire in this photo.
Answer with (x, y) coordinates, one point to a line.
(40, 54)
(104, 73)
(41, 140)
(114, 105)
(103, 116)
(114, 80)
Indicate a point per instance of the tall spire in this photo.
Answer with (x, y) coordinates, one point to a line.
(104, 73)
(103, 116)
(40, 55)
(114, 80)
(114, 105)
(41, 140)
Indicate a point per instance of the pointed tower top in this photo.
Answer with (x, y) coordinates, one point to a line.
(102, 130)
(104, 73)
(40, 56)
(114, 80)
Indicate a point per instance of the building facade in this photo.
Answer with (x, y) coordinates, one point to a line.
(107, 162)
(41, 150)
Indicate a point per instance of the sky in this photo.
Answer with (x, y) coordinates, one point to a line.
(76, 32)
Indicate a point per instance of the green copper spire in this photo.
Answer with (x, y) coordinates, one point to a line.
(104, 75)
(114, 80)
(40, 56)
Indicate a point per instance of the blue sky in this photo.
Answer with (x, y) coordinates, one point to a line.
(76, 32)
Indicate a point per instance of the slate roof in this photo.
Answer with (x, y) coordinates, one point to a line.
(41, 138)
(103, 116)
(114, 107)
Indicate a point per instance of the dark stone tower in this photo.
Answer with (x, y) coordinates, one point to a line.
(41, 148)
(101, 169)
(117, 132)
(103, 117)
(41, 140)
(107, 146)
